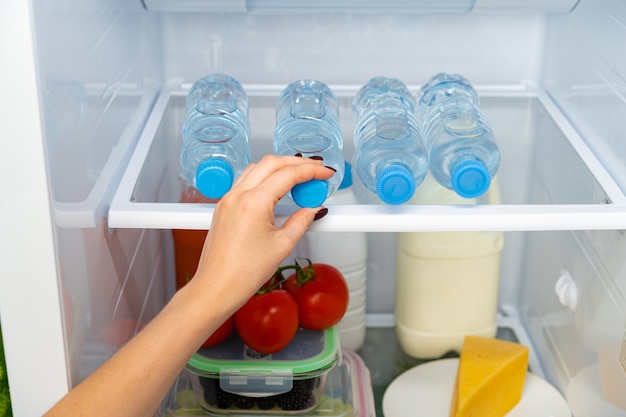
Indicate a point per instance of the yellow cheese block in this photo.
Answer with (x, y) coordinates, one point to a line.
(490, 377)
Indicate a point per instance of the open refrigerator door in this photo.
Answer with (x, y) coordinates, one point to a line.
(93, 105)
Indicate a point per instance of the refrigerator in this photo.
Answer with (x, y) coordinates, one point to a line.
(91, 107)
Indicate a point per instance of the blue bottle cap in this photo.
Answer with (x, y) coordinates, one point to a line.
(214, 177)
(347, 176)
(312, 193)
(470, 178)
(395, 185)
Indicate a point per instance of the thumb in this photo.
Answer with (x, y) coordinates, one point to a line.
(299, 222)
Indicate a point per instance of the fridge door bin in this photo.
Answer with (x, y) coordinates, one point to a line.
(578, 343)
(549, 179)
(99, 132)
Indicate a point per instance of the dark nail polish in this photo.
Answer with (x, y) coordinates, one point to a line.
(298, 155)
(316, 157)
(331, 168)
(320, 213)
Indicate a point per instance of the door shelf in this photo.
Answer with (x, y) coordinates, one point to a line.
(548, 178)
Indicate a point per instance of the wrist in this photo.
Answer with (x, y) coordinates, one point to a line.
(202, 310)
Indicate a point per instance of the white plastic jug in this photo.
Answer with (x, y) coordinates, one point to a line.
(447, 283)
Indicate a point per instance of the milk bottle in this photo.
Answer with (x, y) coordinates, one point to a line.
(447, 282)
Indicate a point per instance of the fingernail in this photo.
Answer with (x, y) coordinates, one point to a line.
(320, 213)
(331, 168)
(316, 157)
(298, 154)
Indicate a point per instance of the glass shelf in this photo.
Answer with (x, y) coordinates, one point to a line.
(548, 179)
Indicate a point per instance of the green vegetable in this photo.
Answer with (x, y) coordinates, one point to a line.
(5, 399)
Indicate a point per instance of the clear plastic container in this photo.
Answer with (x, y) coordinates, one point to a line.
(216, 134)
(346, 251)
(347, 393)
(226, 380)
(390, 157)
(307, 125)
(462, 150)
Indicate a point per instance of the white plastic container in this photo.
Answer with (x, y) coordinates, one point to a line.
(346, 251)
(447, 282)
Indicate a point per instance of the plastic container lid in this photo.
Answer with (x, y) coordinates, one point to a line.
(470, 178)
(214, 177)
(395, 185)
(312, 193)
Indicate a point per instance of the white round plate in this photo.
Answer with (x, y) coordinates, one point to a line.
(426, 390)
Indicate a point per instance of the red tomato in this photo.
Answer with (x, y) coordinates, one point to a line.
(322, 295)
(268, 321)
(221, 333)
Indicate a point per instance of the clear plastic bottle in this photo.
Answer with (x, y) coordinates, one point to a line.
(390, 157)
(307, 125)
(462, 150)
(346, 251)
(216, 134)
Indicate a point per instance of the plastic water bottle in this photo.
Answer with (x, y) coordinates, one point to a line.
(346, 251)
(462, 150)
(307, 125)
(390, 157)
(215, 134)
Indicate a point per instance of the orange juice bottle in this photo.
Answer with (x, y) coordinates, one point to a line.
(188, 244)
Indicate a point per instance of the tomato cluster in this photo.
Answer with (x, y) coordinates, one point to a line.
(314, 297)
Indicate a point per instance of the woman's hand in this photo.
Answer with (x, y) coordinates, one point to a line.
(244, 246)
(242, 249)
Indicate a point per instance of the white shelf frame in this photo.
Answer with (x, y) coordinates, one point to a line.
(124, 213)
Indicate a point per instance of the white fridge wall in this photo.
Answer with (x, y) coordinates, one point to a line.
(350, 48)
(99, 74)
(585, 71)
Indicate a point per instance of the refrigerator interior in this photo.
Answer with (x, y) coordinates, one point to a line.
(111, 80)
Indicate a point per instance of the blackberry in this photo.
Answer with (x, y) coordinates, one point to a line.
(224, 399)
(210, 396)
(301, 386)
(244, 403)
(311, 383)
(208, 383)
(299, 398)
(210, 387)
(295, 403)
(266, 403)
(218, 397)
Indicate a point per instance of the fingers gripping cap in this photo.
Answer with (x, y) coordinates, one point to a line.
(395, 185)
(214, 177)
(312, 193)
(470, 178)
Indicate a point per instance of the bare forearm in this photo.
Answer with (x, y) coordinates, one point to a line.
(135, 380)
